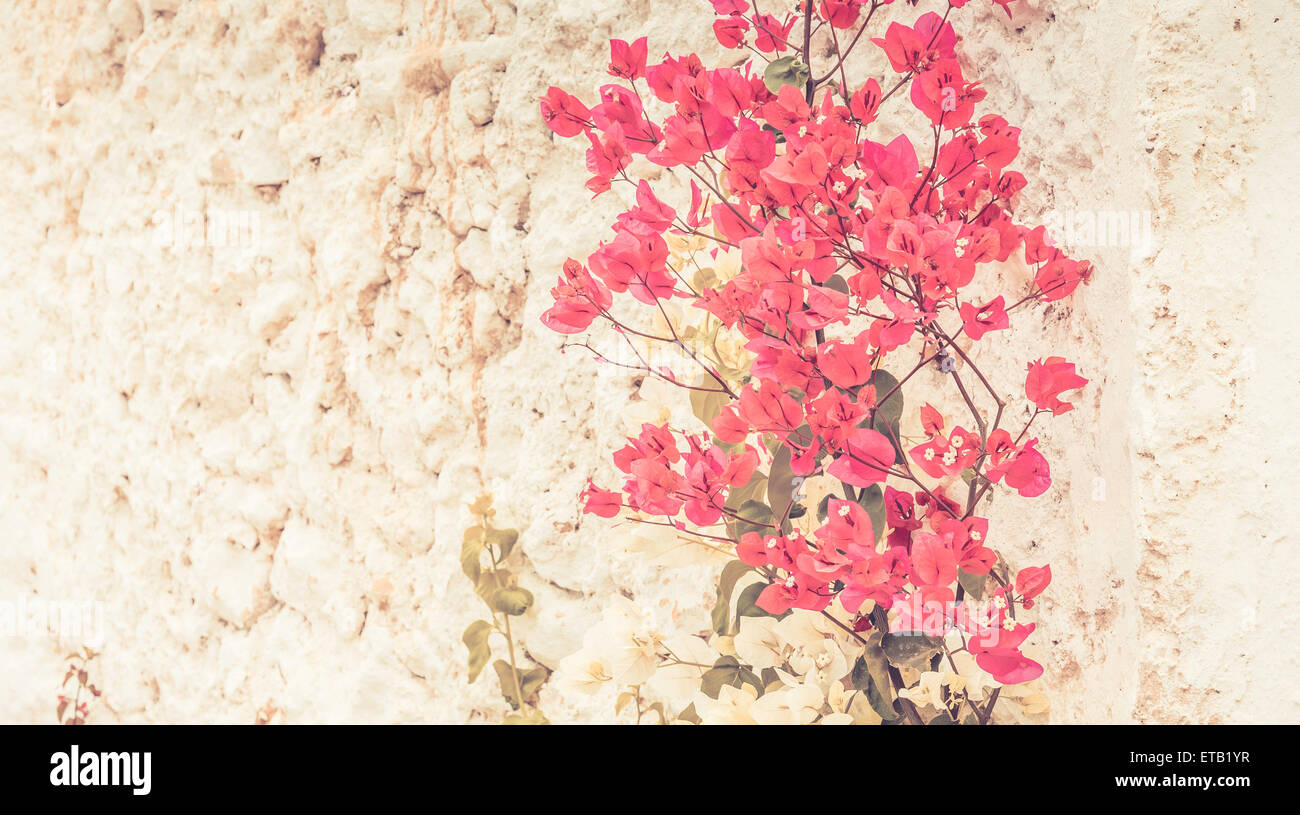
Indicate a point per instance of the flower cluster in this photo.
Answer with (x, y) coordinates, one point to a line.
(857, 259)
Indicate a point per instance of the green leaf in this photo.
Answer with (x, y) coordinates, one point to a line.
(507, 678)
(707, 404)
(727, 671)
(785, 71)
(754, 516)
(942, 718)
(504, 540)
(512, 600)
(887, 415)
(838, 283)
(476, 641)
(972, 583)
(910, 650)
(534, 716)
(532, 680)
(892, 407)
(721, 615)
(824, 506)
(689, 715)
(490, 581)
(871, 676)
(872, 499)
(780, 483)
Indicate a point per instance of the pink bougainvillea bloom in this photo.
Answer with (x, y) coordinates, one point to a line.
(627, 60)
(563, 113)
(772, 36)
(769, 408)
(865, 103)
(840, 13)
(997, 651)
(1047, 380)
(1028, 472)
(730, 31)
(605, 503)
(1060, 277)
(979, 320)
(941, 457)
(934, 566)
(730, 6)
(931, 420)
(867, 457)
(847, 525)
(1031, 581)
(845, 364)
(579, 299)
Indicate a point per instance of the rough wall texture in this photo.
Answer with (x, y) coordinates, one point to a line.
(250, 443)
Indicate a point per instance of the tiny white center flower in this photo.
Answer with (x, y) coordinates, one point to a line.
(843, 511)
(929, 454)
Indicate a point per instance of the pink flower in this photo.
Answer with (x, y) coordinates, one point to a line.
(730, 31)
(978, 321)
(1030, 582)
(563, 113)
(604, 503)
(867, 457)
(1028, 472)
(1048, 380)
(997, 651)
(627, 61)
(579, 299)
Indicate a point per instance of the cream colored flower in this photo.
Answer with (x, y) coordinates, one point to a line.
(758, 644)
(732, 706)
(936, 689)
(582, 672)
(675, 683)
(978, 683)
(792, 704)
(624, 643)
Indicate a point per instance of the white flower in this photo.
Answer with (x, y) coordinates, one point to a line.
(758, 644)
(582, 672)
(798, 704)
(676, 684)
(931, 689)
(854, 704)
(623, 642)
(977, 680)
(732, 706)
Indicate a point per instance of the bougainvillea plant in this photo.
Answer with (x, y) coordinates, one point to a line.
(484, 553)
(814, 265)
